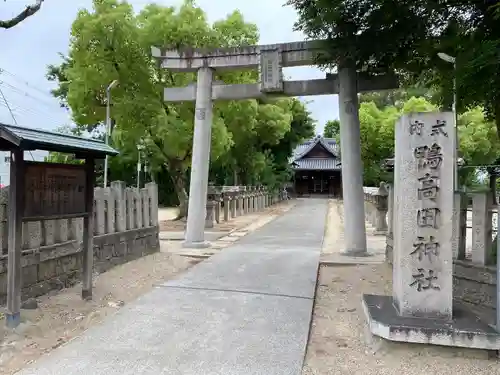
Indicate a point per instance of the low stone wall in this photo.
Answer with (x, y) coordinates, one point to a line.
(475, 286)
(228, 202)
(126, 228)
(474, 274)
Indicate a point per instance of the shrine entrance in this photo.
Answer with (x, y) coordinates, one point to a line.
(318, 183)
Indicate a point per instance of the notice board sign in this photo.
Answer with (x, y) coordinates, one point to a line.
(54, 190)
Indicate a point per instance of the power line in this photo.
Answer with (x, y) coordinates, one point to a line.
(12, 115)
(8, 106)
(19, 111)
(38, 111)
(20, 92)
(50, 105)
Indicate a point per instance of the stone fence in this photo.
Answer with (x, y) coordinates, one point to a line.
(125, 228)
(227, 202)
(474, 252)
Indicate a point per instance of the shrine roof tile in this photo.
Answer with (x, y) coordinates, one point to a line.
(12, 137)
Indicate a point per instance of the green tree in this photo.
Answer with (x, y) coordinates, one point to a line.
(377, 134)
(111, 42)
(332, 129)
(478, 144)
(350, 28)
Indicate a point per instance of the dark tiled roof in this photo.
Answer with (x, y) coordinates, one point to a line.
(329, 143)
(317, 164)
(300, 163)
(33, 139)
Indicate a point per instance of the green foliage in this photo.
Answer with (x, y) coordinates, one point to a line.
(409, 35)
(332, 129)
(478, 143)
(351, 28)
(251, 140)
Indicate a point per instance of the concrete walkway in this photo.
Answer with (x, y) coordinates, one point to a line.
(246, 310)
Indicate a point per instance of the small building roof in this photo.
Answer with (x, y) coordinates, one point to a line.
(317, 164)
(16, 137)
(299, 162)
(330, 144)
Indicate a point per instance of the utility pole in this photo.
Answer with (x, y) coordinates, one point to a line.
(108, 126)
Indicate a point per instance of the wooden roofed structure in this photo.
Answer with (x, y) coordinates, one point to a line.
(48, 191)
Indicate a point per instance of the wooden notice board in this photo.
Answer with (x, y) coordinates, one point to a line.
(54, 190)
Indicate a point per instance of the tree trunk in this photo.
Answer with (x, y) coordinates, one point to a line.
(179, 180)
(493, 186)
(235, 177)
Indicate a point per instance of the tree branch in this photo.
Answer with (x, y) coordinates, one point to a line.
(27, 12)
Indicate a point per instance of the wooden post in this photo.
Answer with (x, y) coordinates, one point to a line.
(88, 231)
(16, 210)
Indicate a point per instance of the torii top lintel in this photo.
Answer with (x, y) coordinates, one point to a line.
(248, 57)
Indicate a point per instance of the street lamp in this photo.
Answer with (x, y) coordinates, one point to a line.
(452, 60)
(113, 84)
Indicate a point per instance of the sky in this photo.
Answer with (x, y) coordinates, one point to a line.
(29, 47)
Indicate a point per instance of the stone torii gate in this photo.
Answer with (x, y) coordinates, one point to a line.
(270, 60)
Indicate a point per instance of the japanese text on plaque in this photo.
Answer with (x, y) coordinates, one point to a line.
(425, 247)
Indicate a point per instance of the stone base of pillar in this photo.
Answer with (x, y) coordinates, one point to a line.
(464, 331)
(357, 253)
(196, 245)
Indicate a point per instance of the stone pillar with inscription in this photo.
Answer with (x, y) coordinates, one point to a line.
(420, 309)
(423, 259)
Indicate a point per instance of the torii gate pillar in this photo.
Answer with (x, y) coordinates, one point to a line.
(200, 161)
(352, 167)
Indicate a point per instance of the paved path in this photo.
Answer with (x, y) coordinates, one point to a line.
(246, 310)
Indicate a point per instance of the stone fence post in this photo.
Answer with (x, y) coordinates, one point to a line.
(459, 225)
(118, 188)
(225, 199)
(389, 242)
(212, 201)
(482, 204)
(232, 204)
(152, 188)
(241, 200)
(381, 207)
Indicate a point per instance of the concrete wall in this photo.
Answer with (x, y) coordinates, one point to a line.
(126, 228)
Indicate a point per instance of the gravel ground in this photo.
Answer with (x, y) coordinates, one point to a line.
(63, 315)
(339, 344)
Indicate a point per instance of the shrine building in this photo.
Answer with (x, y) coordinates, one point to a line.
(317, 168)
